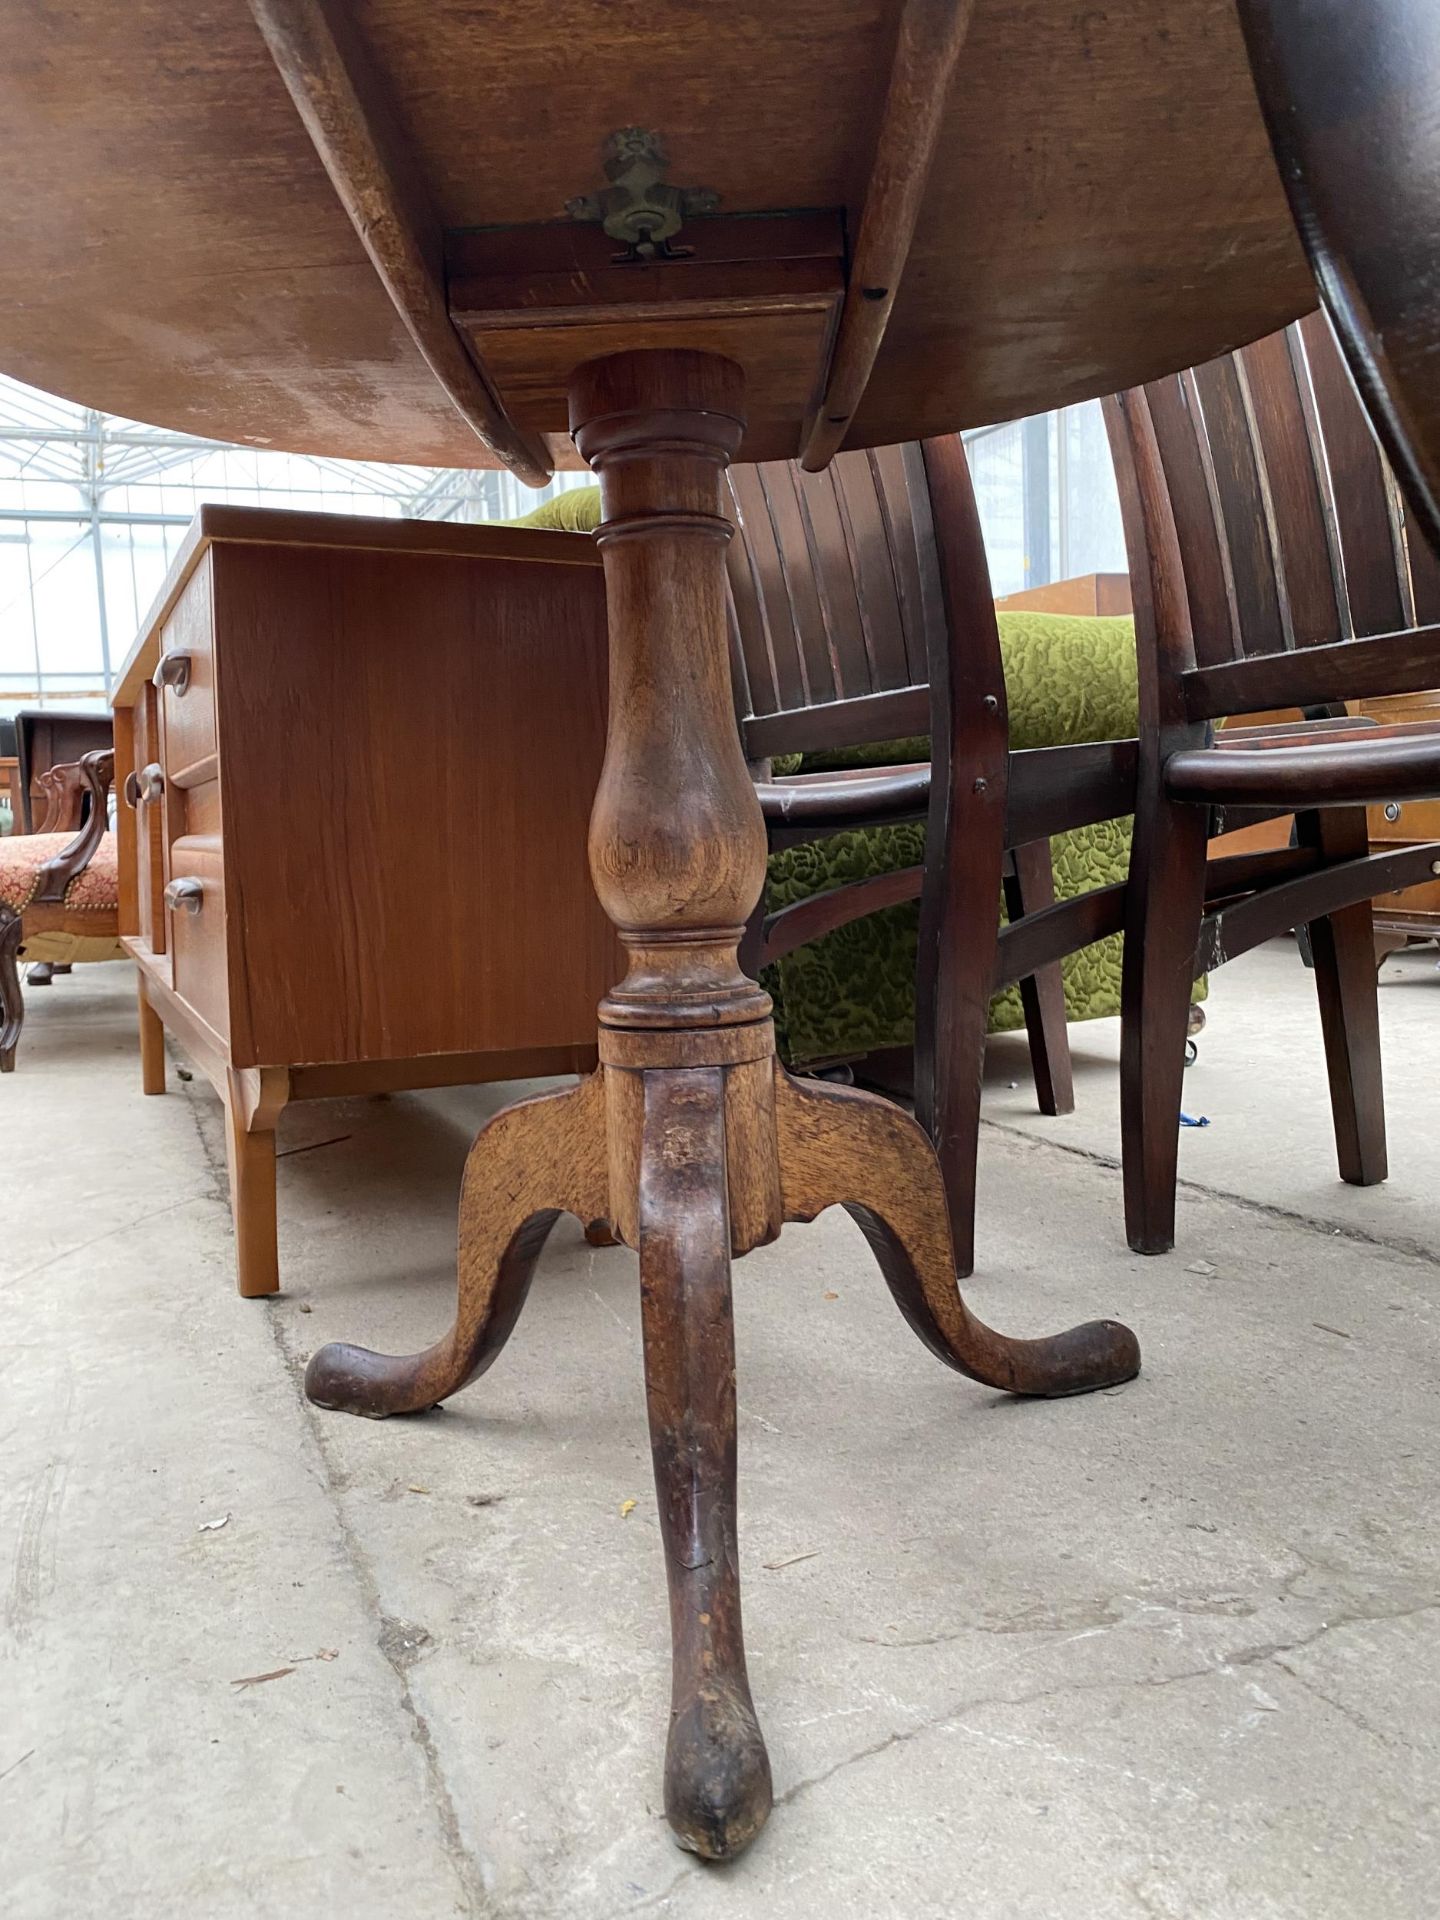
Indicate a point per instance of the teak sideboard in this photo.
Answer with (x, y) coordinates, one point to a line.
(356, 760)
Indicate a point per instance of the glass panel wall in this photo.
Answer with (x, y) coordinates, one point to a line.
(93, 508)
(1045, 490)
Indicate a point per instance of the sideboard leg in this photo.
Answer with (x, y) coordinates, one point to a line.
(250, 1157)
(152, 1046)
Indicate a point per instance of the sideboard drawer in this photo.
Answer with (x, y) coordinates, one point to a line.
(1406, 822)
(149, 813)
(186, 675)
(195, 911)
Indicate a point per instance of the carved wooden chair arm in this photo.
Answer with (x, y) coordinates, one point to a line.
(96, 772)
(62, 793)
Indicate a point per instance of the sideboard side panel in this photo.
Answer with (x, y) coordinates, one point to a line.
(409, 748)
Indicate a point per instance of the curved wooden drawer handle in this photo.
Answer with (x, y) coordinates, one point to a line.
(185, 896)
(132, 790)
(173, 672)
(150, 781)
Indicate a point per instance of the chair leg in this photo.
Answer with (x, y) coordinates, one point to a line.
(1343, 946)
(41, 974)
(1165, 901)
(1030, 886)
(152, 1046)
(12, 1006)
(952, 1014)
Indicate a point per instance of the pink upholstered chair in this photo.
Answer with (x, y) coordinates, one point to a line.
(59, 892)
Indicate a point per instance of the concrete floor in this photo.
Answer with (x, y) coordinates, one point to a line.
(1165, 1653)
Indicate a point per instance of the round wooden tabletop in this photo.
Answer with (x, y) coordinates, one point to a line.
(1102, 206)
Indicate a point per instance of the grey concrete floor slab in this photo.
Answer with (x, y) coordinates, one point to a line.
(1166, 1651)
(1260, 1081)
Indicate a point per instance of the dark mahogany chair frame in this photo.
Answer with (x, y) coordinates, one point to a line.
(862, 613)
(1271, 568)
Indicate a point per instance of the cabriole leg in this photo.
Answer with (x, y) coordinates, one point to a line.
(717, 1773)
(533, 1162)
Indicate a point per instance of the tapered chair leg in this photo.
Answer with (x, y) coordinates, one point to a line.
(1343, 954)
(959, 938)
(717, 1773)
(1030, 887)
(947, 1101)
(1165, 900)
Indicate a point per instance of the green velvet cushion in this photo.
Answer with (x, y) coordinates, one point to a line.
(1068, 679)
(853, 991)
(577, 510)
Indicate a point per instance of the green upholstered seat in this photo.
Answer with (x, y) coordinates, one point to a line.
(1068, 679)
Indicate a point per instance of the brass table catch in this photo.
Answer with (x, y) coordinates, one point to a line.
(639, 207)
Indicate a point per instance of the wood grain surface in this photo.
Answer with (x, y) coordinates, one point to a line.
(1102, 206)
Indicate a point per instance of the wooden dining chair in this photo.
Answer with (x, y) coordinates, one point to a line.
(1270, 568)
(862, 616)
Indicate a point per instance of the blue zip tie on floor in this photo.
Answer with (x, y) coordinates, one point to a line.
(1192, 1120)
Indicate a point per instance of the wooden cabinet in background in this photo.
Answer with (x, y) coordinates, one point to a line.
(1414, 912)
(1093, 593)
(359, 757)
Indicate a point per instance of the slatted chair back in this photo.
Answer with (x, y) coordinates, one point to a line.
(1304, 581)
(835, 593)
(1286, 513)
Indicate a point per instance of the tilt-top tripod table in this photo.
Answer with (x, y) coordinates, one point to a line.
(459, 246)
